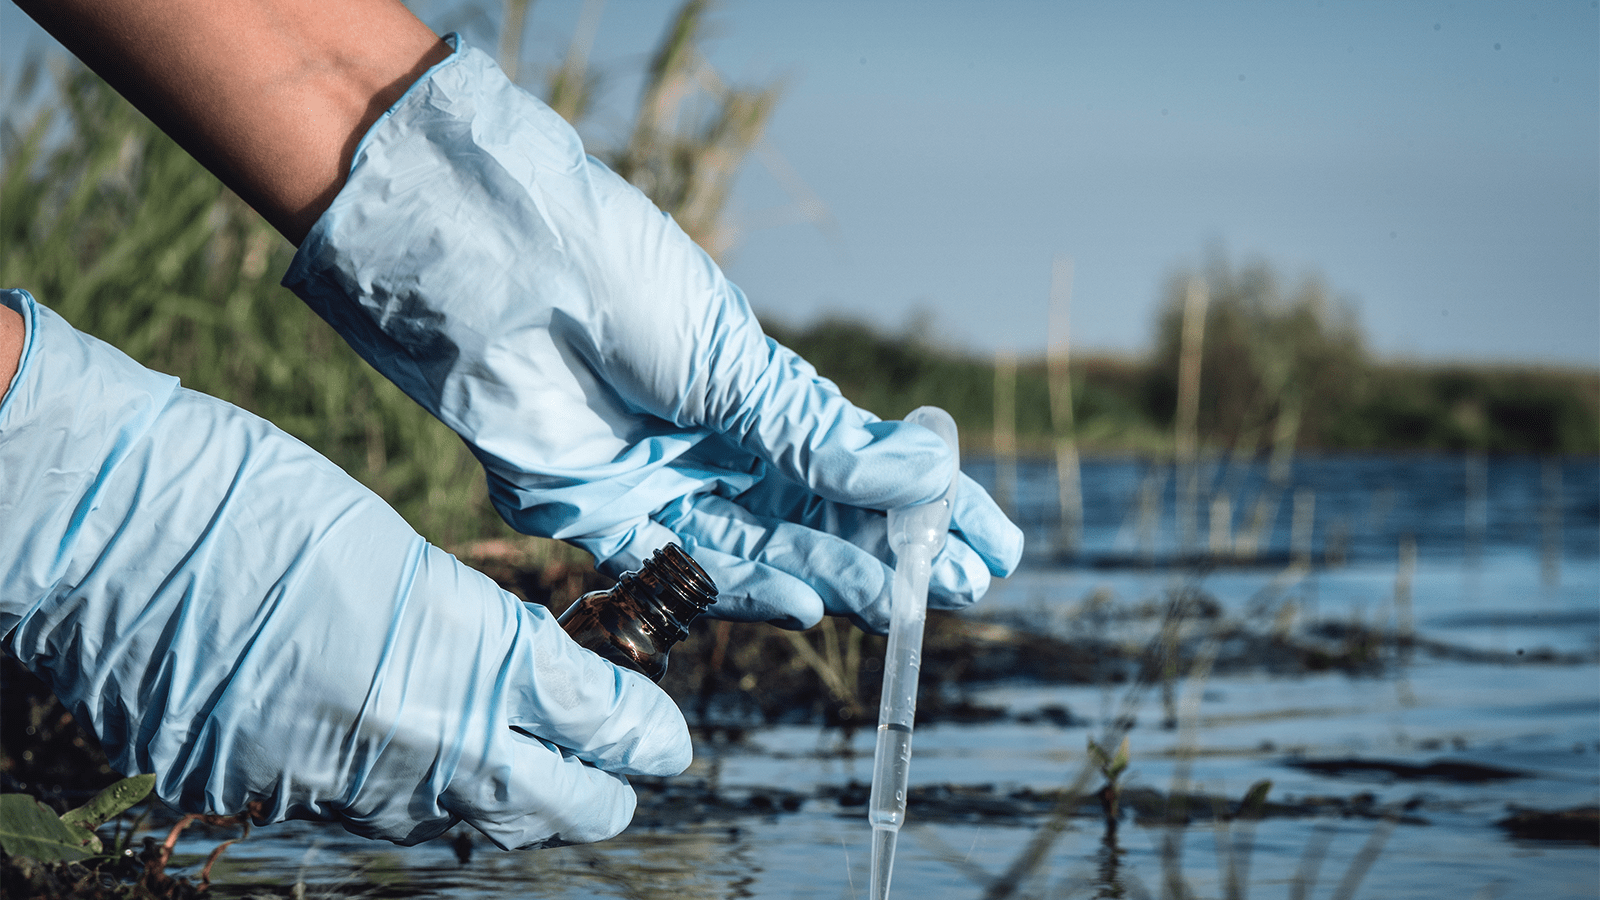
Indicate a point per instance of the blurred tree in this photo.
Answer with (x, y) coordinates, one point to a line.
(892, 375)
(1278, 363)
(1493, 409)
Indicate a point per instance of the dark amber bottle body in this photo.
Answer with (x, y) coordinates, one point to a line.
(638, 620)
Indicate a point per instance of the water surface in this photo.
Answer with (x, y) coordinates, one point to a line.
(1503, 598)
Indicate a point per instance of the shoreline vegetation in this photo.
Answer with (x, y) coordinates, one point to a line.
(1124, 404)
(732, 680)
(112, 225)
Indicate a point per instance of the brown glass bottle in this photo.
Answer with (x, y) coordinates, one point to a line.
(638, 620)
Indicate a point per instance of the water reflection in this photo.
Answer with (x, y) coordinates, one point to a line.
(1110, 862)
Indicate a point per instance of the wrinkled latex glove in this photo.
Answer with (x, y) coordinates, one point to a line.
(616, 387)
(231, 611)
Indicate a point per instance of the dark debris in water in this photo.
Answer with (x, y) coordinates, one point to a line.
(1455, 771)
(730, 678)
(665, 802)
(133, 874)
(670, 802)
(1580, 824)
(22, 878)
(985, 803)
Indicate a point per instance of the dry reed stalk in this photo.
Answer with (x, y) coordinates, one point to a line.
(839, 675)
(1005, 430)
(1069, 488)
(1031, 860)
(1221, 522)
(1368, 854)
(684, 156)
(572, 85)
(1186, 420)
(1185, 716)
(1550, 522)
(1477, 505)
(1149, 512)
(1247, 543)
(668, 85)
(1305, 873)
(1301, 524)
(1285, 432)
(1405, 574)
(513, 23)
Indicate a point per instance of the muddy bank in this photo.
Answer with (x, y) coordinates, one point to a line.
(730, 677)
(1388, 771)
(1580, 824)
(665, 803)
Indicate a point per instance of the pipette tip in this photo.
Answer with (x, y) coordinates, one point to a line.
(883, 841)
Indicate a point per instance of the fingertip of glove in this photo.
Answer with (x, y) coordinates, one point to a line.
(663, 747)
(791, 615)
(533, 832)
(984, 527)
(1006, 553)
(544, 797)
(923, 459)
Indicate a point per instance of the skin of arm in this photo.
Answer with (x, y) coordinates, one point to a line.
(271, 95)
(10, 347)
(195, 531)
(274, 96)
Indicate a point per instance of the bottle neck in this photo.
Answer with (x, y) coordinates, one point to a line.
(672, 584)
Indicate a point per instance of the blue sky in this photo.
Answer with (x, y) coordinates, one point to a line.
(1436, 163)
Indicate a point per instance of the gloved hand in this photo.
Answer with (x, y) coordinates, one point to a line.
(229, 610)
(616, 387)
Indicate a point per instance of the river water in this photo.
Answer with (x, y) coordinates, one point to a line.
(1390, 776)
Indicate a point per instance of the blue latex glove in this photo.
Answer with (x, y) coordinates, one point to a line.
(616, 387)
(229, 610)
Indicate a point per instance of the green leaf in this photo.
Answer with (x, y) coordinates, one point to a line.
(1120, 761)
(1254, 799)
(110, 802)
(29, 828)
(1111, 765)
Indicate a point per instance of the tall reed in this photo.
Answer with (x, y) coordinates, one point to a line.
(1185, 427)
(112, 225)
(1005, 430)
(1070, 491)
(108, 222)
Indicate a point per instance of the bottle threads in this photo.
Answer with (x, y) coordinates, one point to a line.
(637, 621)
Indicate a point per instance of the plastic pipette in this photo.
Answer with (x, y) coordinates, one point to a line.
(917, 534)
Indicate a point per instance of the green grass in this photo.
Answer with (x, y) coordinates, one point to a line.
(105, 220)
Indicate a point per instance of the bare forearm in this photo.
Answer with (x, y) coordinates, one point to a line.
(11, 337)
(271, 95)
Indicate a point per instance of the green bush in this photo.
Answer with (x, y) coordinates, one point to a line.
(1488, 409)
(1271, 351)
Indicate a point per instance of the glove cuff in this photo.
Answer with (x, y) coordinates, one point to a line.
(461, 260)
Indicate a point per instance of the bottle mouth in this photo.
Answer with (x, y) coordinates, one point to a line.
(685, 579)
(679, 588)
